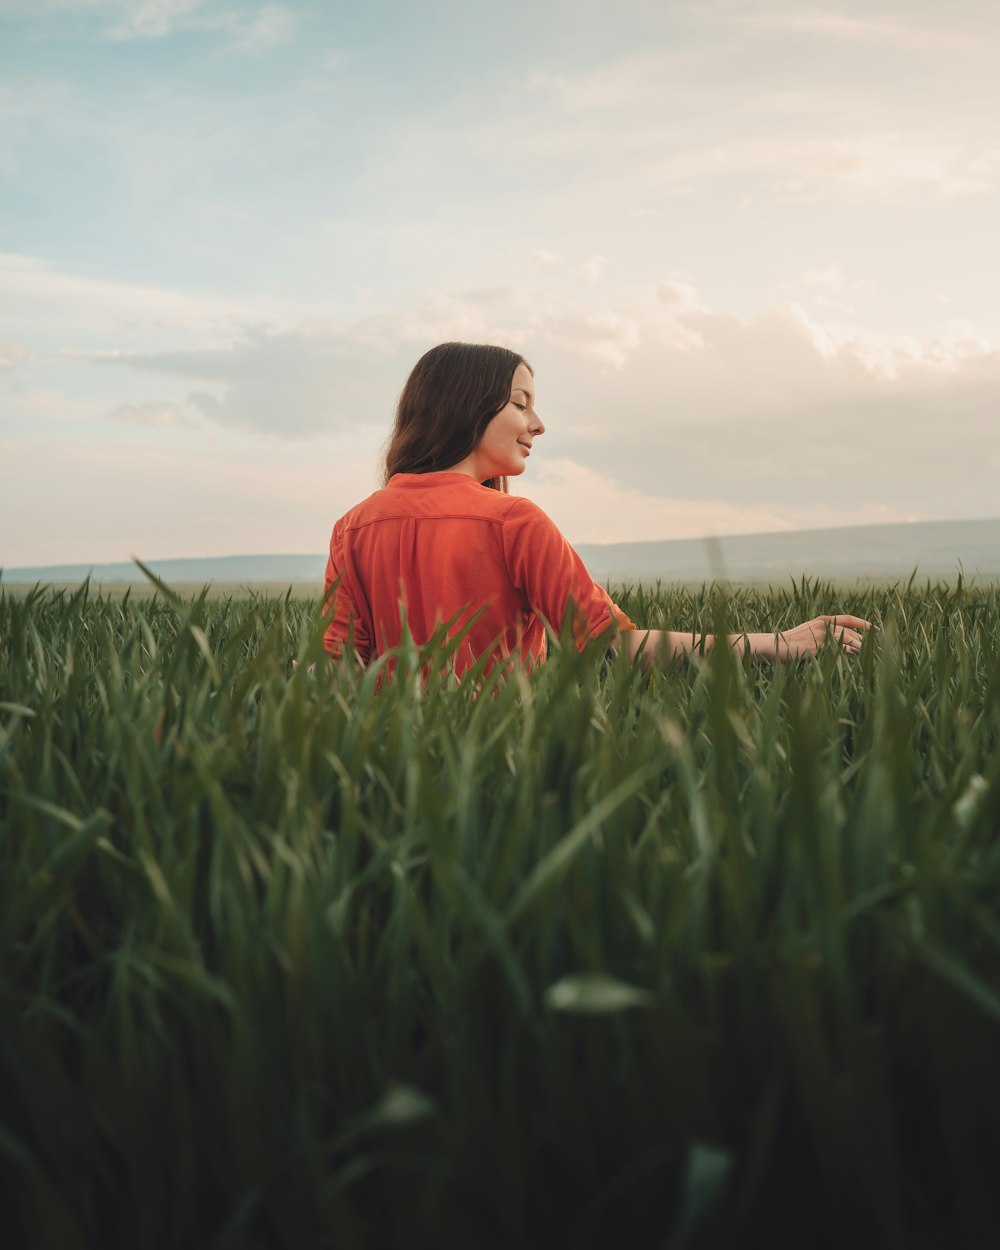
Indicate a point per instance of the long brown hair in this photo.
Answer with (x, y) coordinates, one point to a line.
(452, 394)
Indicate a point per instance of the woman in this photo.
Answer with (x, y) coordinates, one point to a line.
(444, 541)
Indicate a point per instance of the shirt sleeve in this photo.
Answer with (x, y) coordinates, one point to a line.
(339, 601)
(551, 575)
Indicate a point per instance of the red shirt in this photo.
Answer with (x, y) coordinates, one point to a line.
(442, 546)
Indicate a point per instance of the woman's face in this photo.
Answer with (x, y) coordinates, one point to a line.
(505, 445)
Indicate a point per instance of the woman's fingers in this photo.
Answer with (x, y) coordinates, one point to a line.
(849, 631)
(849, 622)
(846, 631)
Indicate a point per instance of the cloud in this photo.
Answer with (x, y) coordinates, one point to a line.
(780, 408)
(826, 24)
(826, 291)
(271, 26)
(58, 305)
(877, 166)
(792, 414)
(680, 296)
(665, 418)
(551, 262)
(293, 384)
(125, 20)
(28, 8)
(152, 19)
(12, 355)
(829, 279)
(595, 508)
(129, 18)
(657, 131)
(780, 415)
(157, 416)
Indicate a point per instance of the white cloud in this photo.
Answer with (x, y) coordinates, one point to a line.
(765, 425)
(271, 26)
(255, 32)
(780, 416)
(151, 19)
(784, 412)
(129, 18)
(594, 508)
(157, 416)
(869, 167)
(12, 355)
(46, 406)
(551, 262)
(637, 81)
(680, 296)
(29, 8)
(826, 24)
(827, 291)
(655, 132)
(52, 303)
(829, 279)
(294, 383)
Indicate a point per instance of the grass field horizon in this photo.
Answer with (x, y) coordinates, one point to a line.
(848, 554)
(303, 591)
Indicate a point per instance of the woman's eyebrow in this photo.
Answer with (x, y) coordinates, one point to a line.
(523, 390)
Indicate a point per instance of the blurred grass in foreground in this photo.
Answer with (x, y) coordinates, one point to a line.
(577, 959)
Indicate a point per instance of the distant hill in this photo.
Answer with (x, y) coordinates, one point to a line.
(936, 549)
(229, 570)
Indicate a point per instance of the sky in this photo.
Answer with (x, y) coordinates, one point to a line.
(749, 248)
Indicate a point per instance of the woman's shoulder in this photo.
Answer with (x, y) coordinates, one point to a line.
(444, 493)
(524, 511)
(438, 494)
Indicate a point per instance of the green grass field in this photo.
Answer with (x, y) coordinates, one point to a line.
(293, 957)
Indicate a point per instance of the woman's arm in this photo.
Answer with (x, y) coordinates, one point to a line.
(345, 621)
(669, 646)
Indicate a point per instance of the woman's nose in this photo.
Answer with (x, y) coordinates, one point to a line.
(536, 425)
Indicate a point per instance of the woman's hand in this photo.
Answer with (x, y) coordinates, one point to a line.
(806, 639)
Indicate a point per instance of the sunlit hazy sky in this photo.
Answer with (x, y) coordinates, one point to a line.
(749, 248)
